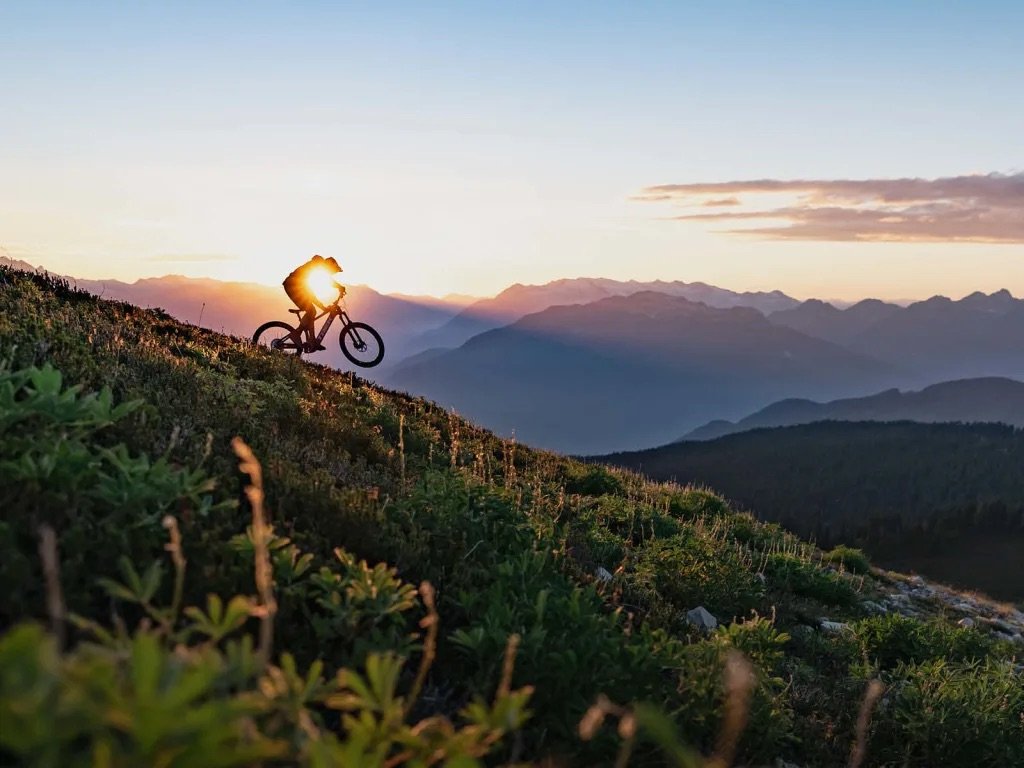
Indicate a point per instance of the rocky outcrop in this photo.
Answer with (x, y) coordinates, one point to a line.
(919, 598)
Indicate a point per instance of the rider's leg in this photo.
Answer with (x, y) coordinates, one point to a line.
(306, 320)
(307, 324)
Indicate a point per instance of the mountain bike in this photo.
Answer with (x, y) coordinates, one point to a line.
(360, 343)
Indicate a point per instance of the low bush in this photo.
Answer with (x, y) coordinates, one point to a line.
(889, 640)
(591, 480)
(950, 713)
(692, 569)
(853, 560)
(806, 579)
(741, 660)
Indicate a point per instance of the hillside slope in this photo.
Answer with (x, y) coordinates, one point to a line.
(945, 499)
(594, 571)
(993, 400)
(238, 308)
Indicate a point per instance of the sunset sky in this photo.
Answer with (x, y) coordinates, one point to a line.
(826, 149)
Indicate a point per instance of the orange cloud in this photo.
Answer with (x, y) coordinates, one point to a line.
(978, 208)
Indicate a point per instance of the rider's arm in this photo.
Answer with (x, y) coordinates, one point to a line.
(341, 295)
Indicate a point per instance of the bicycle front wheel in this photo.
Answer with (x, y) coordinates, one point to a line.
(362, 345)
(279, 336)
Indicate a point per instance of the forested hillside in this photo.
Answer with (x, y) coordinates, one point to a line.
(945, 498)
(212, 554)
(993, 400)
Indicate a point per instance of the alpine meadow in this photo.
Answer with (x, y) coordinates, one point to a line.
(193, 577)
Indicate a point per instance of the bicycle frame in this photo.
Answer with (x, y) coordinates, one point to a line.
(334, 311)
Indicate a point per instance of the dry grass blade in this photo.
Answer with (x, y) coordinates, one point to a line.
(431, 622)
(867, 707)
(174, 548)
(594, 717)
(51, 575)
(248, 464)
(509, 666)
(401, 446)
(739, 682)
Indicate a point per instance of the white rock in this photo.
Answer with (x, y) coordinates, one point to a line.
(833, 627)
(701, 618)
(603, 574)
(966, 622)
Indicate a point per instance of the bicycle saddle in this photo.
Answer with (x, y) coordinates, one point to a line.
(295, 311)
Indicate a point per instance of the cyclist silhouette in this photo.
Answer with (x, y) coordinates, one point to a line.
(312, 285)
(315, 284)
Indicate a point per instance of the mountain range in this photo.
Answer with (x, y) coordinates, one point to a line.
(934, 340)
(629, 370)
(519, 300)
(994, 400)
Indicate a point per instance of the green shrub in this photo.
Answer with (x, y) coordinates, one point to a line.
(55, 470)
(692, 502)
(805, 578)
(950, 713)
(148, 699)
(570, 646)
(702, 670)
(853, 560)
(591, 480)
(692, 569)
(889, 640)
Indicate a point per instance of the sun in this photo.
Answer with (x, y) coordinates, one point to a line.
(324, 285)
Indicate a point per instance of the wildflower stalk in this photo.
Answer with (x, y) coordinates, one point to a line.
(250, 465)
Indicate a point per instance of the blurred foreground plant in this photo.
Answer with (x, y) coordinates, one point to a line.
(186, 687)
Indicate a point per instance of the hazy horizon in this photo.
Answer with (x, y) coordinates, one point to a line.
(461, 299)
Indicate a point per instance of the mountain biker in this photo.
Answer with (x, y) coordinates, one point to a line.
(309, 286)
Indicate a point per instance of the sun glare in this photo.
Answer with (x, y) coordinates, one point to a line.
(323, 285)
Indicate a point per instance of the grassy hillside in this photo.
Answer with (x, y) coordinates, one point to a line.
(915, 495)
(208, 600)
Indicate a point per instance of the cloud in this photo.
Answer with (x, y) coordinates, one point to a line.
(978, 208)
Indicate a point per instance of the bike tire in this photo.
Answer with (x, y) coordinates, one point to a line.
(265, 337)
(353, 344)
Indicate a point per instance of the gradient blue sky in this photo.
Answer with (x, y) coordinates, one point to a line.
(437, 147)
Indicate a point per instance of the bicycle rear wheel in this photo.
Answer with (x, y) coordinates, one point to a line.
(361, 344)
(279, 336)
